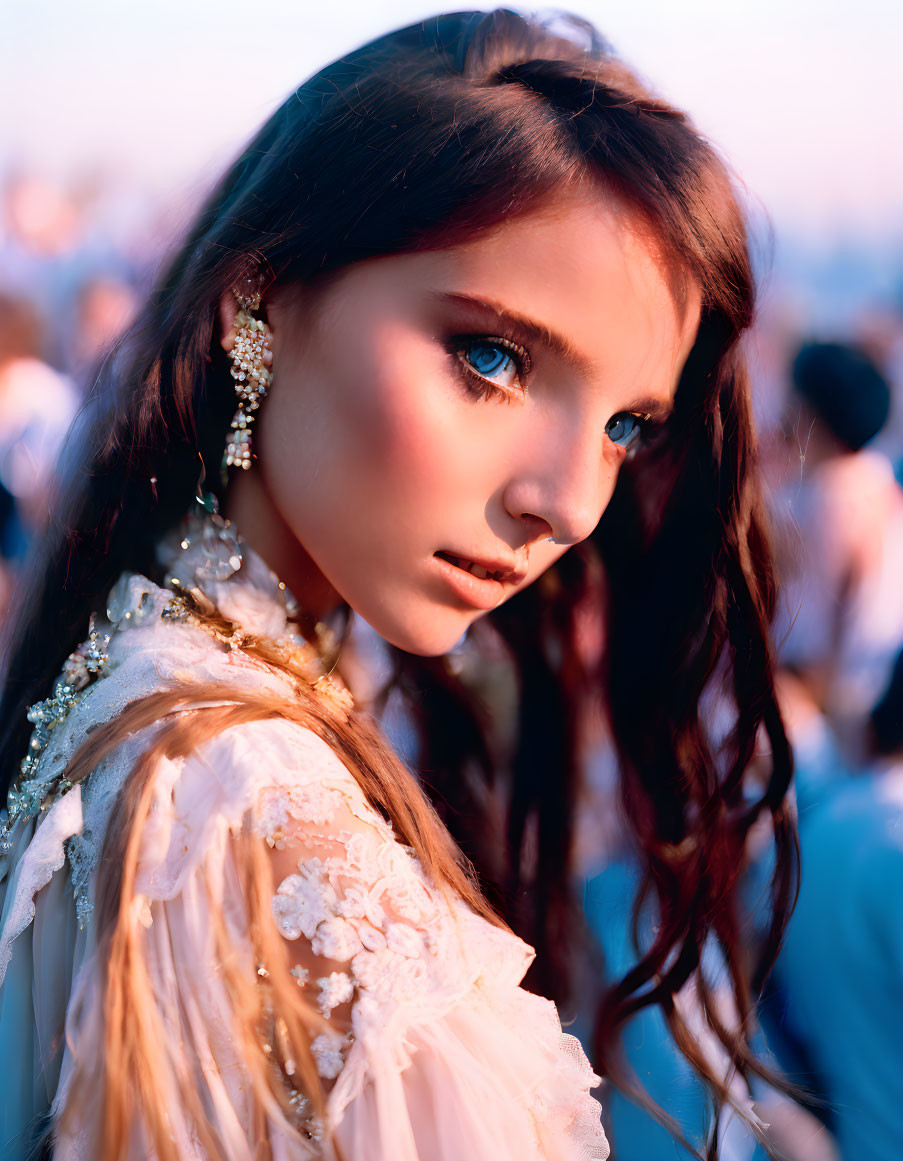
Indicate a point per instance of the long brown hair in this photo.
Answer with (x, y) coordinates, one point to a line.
(423, 139)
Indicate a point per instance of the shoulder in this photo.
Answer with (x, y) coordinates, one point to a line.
(272, 778)
(138, 647)
(153, 640)
(275, 768)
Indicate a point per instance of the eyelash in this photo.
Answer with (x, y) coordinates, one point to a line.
(644, 430)
(481, 386)
(485, 388)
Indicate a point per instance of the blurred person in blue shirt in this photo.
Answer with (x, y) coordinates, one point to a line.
(840, 973)
(663, 1074)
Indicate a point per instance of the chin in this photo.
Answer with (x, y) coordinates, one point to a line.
(432, 638)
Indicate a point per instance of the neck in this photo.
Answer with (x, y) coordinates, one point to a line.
(249, 506)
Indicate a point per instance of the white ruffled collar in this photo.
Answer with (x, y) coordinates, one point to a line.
(206, 553)
(205, 559)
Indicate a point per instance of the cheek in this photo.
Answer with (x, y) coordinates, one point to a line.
(403, 419)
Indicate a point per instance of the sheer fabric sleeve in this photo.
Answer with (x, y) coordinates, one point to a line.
(430, 1051)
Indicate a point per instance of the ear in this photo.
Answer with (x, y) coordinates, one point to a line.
(228, 309)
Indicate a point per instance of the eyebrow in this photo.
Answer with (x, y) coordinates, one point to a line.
(528, 332)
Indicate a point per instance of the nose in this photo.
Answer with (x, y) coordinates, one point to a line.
(562, 492)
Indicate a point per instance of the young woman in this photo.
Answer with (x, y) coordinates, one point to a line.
(480, 296)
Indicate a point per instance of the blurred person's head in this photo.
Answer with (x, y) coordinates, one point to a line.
(104, 307)
(41, 216)
(844, 391)
(21, 329)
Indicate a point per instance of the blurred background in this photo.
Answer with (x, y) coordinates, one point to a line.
(116, 118)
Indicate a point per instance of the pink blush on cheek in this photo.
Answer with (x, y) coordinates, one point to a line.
(406, 414)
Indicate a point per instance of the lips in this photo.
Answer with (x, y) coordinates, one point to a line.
(502, 571)
(471, 566)
(482, 583)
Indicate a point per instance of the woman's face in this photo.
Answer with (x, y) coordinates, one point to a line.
(442, 426)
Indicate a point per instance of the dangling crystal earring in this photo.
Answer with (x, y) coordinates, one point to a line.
(251, 357)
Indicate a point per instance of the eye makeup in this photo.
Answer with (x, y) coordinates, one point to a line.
(488, 318)
(470, 353)
(491, 325)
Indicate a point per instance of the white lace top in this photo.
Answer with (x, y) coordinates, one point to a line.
(432, 1051)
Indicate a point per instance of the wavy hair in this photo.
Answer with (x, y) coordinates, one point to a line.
(419, 140)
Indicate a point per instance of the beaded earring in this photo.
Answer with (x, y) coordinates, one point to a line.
(251, 357)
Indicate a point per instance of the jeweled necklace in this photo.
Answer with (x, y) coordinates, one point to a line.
(219, 557)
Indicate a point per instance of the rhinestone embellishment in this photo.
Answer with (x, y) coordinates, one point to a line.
(34, 793)
(252, 357)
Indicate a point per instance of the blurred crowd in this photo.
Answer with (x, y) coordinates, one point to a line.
(69, 283)
(831, 1021)
(832, 444)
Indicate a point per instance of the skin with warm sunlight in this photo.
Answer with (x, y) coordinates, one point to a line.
(436, 418)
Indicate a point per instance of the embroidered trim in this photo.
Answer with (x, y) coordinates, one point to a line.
(34, 794)
(219, 555)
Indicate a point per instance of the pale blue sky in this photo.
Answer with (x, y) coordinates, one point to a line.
(804, 97)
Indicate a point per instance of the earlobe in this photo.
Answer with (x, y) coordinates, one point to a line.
(228, 309)
(244, 295)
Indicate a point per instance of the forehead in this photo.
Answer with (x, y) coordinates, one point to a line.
(589, 270)
(585, 270)
(584, 236)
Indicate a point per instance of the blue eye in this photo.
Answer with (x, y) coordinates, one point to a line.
(492, 360)
(493, 367)
(625, 427)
